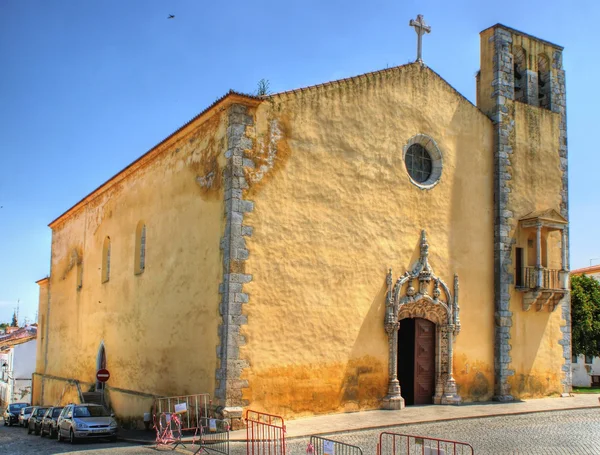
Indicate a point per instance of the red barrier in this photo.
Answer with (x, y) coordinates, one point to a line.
(265, 434)
(400, 444)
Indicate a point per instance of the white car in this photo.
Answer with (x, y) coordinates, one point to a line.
(24, 416)
(78, 421)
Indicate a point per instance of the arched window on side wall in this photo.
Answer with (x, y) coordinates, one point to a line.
(140, 248)
(520, 75)
(106, 260)
(544, 89)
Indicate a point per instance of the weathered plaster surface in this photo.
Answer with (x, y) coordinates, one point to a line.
(335, 211)
(159, 327)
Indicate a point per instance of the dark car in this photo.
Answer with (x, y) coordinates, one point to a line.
(35, 421)
(11, 413)
(49, 421)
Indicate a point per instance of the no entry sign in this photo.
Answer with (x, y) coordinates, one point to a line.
(102, 375)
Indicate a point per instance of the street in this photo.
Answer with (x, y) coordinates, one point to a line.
(15, 441)
(556, 432)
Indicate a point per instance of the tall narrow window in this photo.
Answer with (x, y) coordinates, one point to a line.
(106, 260)
(520, 75)
(140, 248)
(544, 89)
(519, 267)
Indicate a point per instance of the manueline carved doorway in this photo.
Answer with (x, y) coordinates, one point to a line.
(431, 301)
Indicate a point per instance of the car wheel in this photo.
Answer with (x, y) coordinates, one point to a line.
(113, 439)
(36, 431)
(72, 439)
(42, 432)
(28, 429)
(59, 437)
(5, 424)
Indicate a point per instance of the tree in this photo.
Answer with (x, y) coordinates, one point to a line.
(585, 315)
(263, 87)
(14, 322)
(4, 325)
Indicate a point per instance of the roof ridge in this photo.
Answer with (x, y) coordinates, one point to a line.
(337, 81)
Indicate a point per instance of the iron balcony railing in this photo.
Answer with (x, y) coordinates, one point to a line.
(532, 277)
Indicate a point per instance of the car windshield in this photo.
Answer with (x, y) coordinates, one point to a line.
(16, 407)
(90, 411)
(27, 410)
(56, 412)
(41, 411)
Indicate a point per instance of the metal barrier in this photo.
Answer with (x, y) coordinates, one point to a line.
(400, 444)
(192, 409)
(168, 430)
(265, 434)
(214, 436)
(324, 446)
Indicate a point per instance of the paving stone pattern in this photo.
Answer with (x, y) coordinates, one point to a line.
(559, 432)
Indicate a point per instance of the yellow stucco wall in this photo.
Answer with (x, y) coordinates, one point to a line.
(536, 182)
(159, 328)
(334, 208)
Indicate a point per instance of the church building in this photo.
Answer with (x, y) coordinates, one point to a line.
(366, 243)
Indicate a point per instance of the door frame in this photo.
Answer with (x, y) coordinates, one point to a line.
(433, 301)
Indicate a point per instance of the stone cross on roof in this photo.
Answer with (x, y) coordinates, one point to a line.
(421, 28)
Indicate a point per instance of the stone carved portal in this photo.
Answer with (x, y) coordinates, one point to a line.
(430, 299)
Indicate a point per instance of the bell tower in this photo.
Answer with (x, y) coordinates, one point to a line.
(521, 88)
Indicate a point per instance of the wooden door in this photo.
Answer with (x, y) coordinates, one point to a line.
(424, 361)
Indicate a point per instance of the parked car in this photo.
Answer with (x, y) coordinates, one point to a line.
(11, 413)
(49, 421)
(24, 416)
(35, 421)
(77, 421)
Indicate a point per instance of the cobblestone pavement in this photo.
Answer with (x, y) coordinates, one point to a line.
(15, 441)
(544, 433)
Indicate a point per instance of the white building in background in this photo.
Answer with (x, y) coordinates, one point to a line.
(17, 364)
(586, 369)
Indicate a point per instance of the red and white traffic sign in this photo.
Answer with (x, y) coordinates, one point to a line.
(103, 375)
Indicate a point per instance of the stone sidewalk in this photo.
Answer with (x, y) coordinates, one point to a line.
(368, 420)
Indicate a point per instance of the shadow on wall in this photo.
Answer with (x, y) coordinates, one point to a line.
(472, 237)
(366, 374)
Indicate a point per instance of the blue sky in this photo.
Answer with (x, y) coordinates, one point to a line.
(86, 87)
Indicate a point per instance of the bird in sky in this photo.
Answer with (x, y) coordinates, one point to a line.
(171, 16)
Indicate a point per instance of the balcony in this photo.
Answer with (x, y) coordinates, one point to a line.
(544, 278)
(542, 287)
